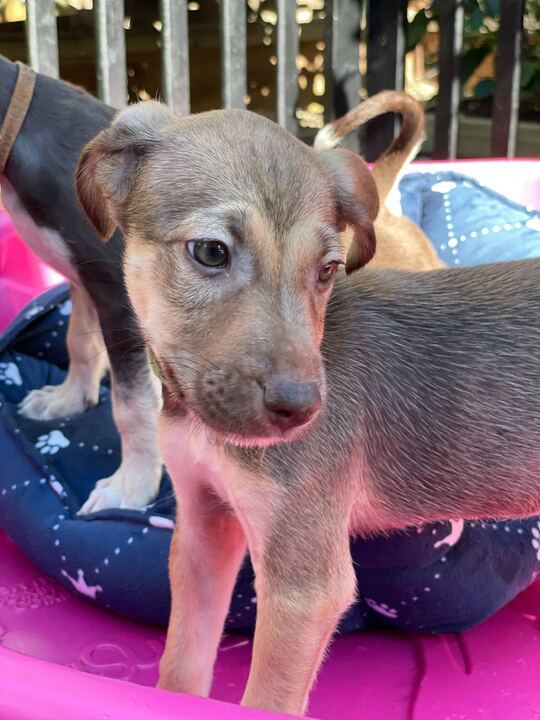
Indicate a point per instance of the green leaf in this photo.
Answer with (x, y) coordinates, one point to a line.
(474, 22)
(416, 29)
(470, 6)
(529, 68)
(484, 88)
(532, 93)
(532, 8)
(472, 59)
(493, 7)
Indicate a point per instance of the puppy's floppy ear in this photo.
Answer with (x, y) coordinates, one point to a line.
(357, 202)
(108, 165)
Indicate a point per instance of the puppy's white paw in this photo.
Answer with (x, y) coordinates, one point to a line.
(56, 401)
(125, 490)
(101, 499)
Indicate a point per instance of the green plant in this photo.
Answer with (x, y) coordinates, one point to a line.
(481, 24)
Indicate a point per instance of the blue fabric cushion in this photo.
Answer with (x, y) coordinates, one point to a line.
(468, 223)
(443, 577)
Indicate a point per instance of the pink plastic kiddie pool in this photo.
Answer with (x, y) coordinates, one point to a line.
(64, 659)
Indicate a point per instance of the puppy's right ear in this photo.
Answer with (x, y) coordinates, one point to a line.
(108, 166)
(357, 202)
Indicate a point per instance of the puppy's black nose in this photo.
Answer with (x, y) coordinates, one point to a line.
(291, 403)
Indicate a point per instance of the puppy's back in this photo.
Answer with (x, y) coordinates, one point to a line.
(433, 403)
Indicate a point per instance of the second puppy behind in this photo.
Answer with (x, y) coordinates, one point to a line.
(401, 244)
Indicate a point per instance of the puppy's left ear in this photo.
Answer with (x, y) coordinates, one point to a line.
(357, 202)
(109, 164)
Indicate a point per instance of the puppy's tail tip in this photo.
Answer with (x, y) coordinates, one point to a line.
(402, 150)
(327, 138)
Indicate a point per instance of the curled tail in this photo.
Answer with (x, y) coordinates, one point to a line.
(391, 164)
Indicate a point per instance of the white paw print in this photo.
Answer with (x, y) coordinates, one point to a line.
(9, 374)
(51, 443)
(66, 308)
(536, 539)
(33, 311)
(382, 608)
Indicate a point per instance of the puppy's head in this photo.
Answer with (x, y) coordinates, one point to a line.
(232, 230)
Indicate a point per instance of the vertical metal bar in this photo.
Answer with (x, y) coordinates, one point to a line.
(450, 46)
(42, 36)
(175, 55)
(287, 79)
(111, 52)
(233, 53)
(507, 78)
(386, 26)
(341, 64)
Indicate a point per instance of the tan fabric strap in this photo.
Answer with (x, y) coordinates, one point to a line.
(16, 112)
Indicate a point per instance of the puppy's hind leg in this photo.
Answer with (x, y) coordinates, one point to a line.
(87, 364)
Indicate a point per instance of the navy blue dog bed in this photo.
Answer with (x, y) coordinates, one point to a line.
(442, 577)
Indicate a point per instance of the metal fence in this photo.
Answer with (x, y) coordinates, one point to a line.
(386, 32)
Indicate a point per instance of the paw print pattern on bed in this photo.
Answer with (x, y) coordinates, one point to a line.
(9, 374)
(52, 442)
(65, 308)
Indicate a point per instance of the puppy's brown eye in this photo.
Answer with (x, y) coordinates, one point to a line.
(210, 253)
(326, 273)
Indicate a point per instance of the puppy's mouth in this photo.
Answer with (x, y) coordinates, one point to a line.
(275, 436)
(239, 408)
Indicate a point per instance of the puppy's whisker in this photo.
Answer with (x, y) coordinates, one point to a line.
(193, 356)
(105, 261)
(114, 345)
(95, 332)
(202, 357)
(187, 365)
(98, 353)
(178, 361)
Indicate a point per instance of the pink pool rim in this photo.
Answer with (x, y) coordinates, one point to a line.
(61, 658)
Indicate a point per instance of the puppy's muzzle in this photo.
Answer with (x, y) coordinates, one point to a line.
(290, 403)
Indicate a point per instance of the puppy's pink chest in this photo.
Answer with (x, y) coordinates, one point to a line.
(191, 456)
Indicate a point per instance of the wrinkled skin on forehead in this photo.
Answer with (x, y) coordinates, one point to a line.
(192, 168)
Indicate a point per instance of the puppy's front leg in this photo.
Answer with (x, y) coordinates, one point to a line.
(207, 549)
(206, 553)
(305, 581)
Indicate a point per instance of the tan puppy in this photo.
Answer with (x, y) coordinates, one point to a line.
(302, 404)
(401, 244)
